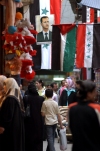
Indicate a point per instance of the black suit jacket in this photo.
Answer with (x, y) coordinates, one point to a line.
(40, 37)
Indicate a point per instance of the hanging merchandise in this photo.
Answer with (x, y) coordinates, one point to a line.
(18, 48)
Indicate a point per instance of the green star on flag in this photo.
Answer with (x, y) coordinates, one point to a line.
(45, 46)
(44, 11)
(89, 33)
(88, 56)
(89, 45)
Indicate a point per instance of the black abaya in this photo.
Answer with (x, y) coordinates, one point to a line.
(13, 122)
(34, 123)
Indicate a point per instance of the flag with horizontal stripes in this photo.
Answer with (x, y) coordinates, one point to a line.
(88, 46)
(63, 47)
(44, 8)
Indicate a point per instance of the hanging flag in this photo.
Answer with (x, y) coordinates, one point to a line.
(88, 46)
(44, 7)
(98, 16)
(55, 8)
(63, 47)
(89, 15)
(47, 8)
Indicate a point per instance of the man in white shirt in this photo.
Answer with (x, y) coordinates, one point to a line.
(50, 111)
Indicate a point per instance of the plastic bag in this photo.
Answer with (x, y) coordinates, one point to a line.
(63, 139)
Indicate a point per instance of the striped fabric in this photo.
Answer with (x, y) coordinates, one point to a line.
(91, 3)
(63, 112)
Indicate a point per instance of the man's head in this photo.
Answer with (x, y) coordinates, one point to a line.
(63, 83)
(78, 84)
(45, 23)
(54, 86)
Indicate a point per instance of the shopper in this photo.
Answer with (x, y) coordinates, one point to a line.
(55, 96)
(2, 79)
(40, 87)
(54, 86)
(11, 118)
(51, 112)
(67, 94)
(34, 122)
(84, 119)
(41, 91)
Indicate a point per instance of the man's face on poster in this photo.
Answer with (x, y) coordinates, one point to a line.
(45, 23)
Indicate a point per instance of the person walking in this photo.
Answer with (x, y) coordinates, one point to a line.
(84, 119)
(2, 79)
(34, 122)
(40, 87)
(50, 111)
(67, 94)
(11, 118)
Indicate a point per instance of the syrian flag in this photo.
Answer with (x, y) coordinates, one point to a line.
(88, 46)
(47, 7)
(63, 47)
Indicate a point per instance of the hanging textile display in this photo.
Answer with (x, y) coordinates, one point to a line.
(18, 37)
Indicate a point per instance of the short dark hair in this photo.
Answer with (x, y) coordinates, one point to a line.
(85, 87)
(43, 17)
(49, 93)
(52, 84)
(79, 82)
(62, 81)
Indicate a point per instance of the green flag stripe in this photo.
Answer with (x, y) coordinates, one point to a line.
(69, 52)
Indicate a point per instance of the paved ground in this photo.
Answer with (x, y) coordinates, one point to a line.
(57, 148)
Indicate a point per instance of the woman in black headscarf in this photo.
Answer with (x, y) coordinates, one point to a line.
(84, 119)
(34, 122)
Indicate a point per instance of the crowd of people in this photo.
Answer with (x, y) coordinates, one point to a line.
(21, 132)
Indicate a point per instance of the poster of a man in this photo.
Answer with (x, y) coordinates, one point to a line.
(45, 34)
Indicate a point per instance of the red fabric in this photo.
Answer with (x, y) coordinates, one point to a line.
(26, 63)
(30, 76)
(92, 15)
(55, 8)
(98, 19)
(34, 32)
(95, 106)
(66, 28)
(72, 104)
(29, 40)
(84, 73)
(33, 53)
(80, 46)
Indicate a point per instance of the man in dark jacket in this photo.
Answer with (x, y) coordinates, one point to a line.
(45, 35)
